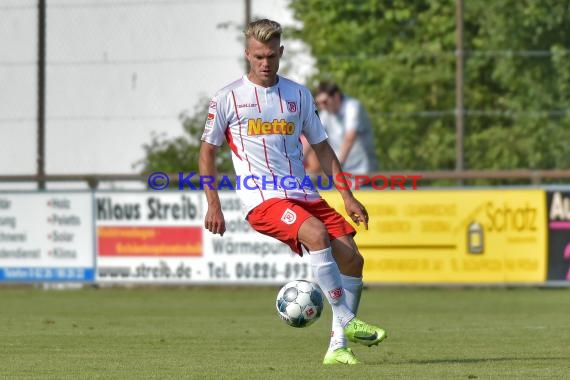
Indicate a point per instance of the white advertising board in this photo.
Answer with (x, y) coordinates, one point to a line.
(248, 256)
(158, 237)
(46, 237)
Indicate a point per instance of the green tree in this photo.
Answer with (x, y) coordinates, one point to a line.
(181, 153)
(398, 57)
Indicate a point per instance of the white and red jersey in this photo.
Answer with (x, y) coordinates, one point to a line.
(263, 127)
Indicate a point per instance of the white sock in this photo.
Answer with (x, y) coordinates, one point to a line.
(328, 277)
(338, 339)
(353, 289)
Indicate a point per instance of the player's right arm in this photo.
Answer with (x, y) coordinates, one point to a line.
(212, 138)
(214, 220)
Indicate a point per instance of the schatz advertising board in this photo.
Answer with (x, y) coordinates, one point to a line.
(453, 236)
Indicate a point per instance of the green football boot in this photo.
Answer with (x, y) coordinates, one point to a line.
(361, 332)
(341, 356)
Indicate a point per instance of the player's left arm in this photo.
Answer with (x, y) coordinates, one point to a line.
(315, 133)
(330, 165)
(310, 160)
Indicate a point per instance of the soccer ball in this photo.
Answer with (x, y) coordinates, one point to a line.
(299, 303)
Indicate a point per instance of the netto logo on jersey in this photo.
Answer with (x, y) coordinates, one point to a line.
(276, 127)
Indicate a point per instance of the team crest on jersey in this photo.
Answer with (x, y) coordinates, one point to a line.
(210, 120)
(292, 106)
(289, 216)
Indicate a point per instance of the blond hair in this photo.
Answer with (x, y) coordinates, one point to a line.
(263, 30)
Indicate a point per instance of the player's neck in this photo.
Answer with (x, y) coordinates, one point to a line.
(269, 82)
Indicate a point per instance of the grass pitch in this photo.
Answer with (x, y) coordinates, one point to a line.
(221, 333)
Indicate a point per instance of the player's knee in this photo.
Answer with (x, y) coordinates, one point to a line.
(352, 265)
(358, 261)
(320, 237)
(314, 235)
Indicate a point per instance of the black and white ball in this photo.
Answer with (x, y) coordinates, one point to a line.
(299, 303)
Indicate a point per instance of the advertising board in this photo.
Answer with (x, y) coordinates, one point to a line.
(46, 237)
(459, 236)
(159, 237)
(558, 205)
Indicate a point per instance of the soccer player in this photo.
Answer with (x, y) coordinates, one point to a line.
(262, 116)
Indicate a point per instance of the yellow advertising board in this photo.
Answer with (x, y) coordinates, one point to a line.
(452, 236)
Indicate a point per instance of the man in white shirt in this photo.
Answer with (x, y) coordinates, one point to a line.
(348, 128)
(262, 117)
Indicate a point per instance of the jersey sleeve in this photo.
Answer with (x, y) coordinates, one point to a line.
(215, 127)
(352, 116)
(312, 127)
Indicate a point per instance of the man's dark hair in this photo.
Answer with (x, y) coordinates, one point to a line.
(328, 87)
